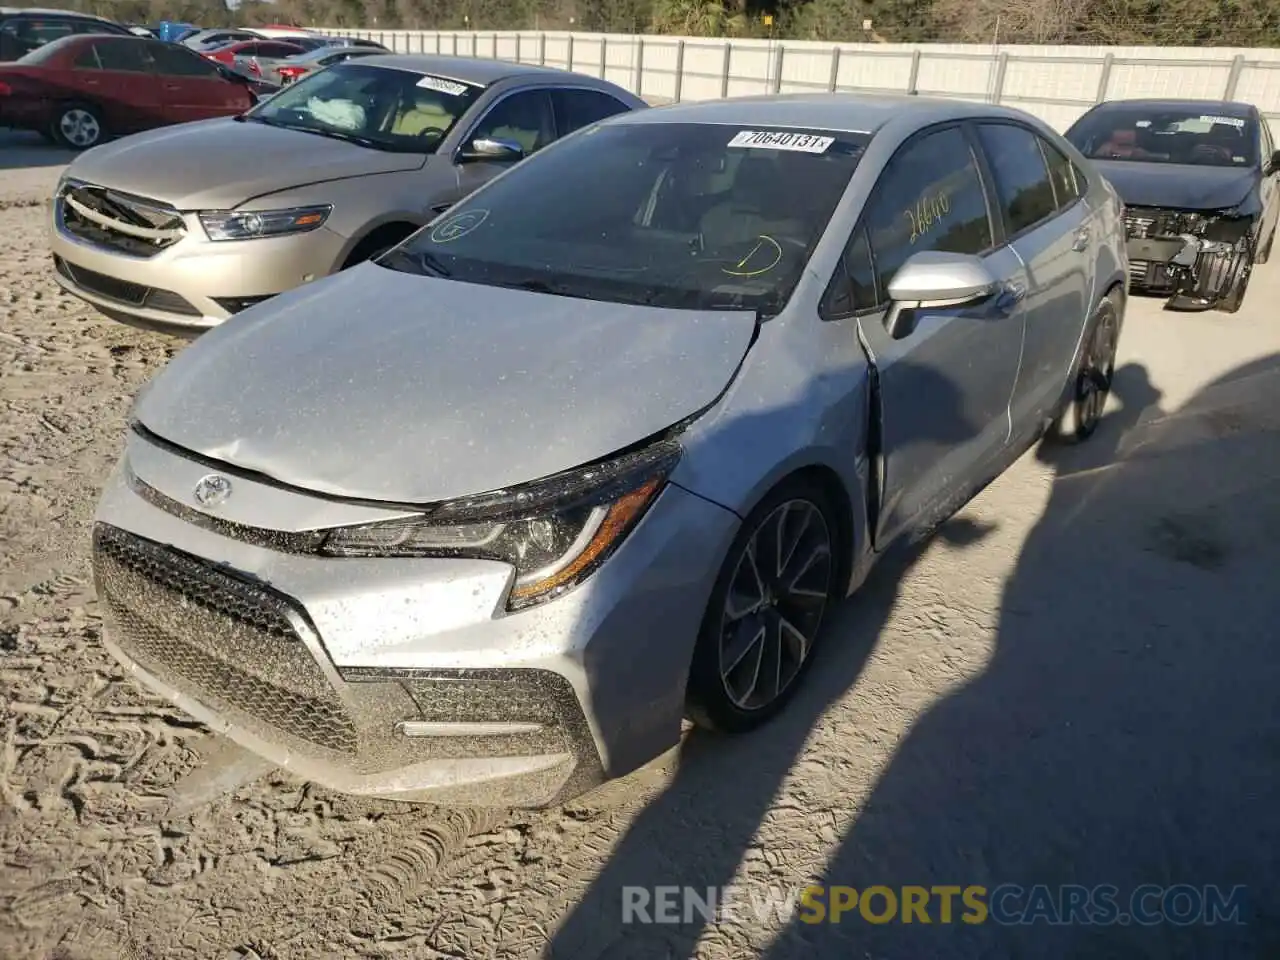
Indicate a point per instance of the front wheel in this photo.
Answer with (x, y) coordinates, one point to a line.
(768, 604)
(78, 126)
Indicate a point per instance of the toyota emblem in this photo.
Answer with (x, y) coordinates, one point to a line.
(213, 490)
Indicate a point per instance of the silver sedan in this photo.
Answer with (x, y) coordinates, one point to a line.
(480, 521)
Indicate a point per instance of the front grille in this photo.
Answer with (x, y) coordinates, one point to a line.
(1144, 223)
(231, 643)
(116, 218)
(123, 291)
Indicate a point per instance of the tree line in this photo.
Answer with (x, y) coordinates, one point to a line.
(1235, 23)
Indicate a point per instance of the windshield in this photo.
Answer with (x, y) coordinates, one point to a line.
(691, 216)
(1189, 136)
(380, 107)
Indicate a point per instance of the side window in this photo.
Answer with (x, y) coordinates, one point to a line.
(1066, 189)
(90, 26)
(523, 117)
(930, 197)
(123, 55)
(1022, 179)
(22, 34)
(175, 61)
(87, 58)
(854, 285)
(275, 51)
(576, 109)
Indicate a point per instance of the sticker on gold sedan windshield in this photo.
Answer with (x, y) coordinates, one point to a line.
(1229, 121)
(451, 87)
(781, 140)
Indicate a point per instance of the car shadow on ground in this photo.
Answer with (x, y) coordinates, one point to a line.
(697, 831)
(19, 150)
(1123, 733)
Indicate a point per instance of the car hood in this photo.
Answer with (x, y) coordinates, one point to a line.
(388, 386)
(1177, 186)
(218, 164)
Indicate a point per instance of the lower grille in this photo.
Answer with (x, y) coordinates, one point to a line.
(123, 291)
(229, 642)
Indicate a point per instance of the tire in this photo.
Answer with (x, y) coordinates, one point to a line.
(78, 126)
(1091, 377)
(772, 633)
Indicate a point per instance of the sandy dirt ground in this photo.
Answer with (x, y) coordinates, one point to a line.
(1075, 682)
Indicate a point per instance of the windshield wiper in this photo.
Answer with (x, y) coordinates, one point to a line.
(319, 131)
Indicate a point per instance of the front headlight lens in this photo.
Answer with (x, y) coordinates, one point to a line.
(250, 224)
(555, 532)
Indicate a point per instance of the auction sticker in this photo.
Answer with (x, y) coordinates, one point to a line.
(781, 140)
(1229, 121)
(451, 87)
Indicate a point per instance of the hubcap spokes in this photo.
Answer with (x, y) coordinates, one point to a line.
(79, 128)
(776, 601)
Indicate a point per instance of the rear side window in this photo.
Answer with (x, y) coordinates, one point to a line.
(123, 55)
(1023, 186)
(576, 109)
(87, 58)
(276, 51)
(1062, 173)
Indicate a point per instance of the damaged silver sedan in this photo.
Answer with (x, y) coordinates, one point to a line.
(480, 521)
(1199, 180)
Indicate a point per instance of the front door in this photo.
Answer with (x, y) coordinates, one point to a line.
(944, 386)
(1050, 229)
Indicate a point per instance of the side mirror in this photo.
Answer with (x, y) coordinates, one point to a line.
(491, 150)
(933, 280)
(1273, 165)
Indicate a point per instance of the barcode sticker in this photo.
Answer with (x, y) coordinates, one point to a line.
(1229, 121)
(781, 140)
(451, 87)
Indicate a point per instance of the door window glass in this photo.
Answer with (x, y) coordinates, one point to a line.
(123, 55)
(175, 61)
(1023, 186)
(1066, 190)
(930, 197)
(576, 109)
(276, 51)
(522, 117)
(87, 58)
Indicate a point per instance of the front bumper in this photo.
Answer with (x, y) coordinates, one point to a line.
(192, 285)
(402, 679)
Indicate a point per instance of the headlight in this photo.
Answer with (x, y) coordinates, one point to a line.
(555, 532)
(248, 224)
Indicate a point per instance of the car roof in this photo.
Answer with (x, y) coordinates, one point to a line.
(466, 69)
(1226, 108)
(51, 12)
(845, 112)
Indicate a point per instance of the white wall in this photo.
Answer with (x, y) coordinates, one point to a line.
(1055, 83)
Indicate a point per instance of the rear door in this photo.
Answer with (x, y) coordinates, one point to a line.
(578, 108)
(116, 74)
(191, 88)
(1048, 224)
(945, 383)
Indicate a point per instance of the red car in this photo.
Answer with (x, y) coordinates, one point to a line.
(251, 55)
(80, 89)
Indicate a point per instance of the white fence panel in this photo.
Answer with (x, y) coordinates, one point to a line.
(1055, 83)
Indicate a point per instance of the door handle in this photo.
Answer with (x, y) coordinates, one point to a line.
(1082, 240)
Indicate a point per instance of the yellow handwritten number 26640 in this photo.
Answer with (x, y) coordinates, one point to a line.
(927, 213)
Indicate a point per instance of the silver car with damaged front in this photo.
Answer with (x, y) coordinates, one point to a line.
(483, 520)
